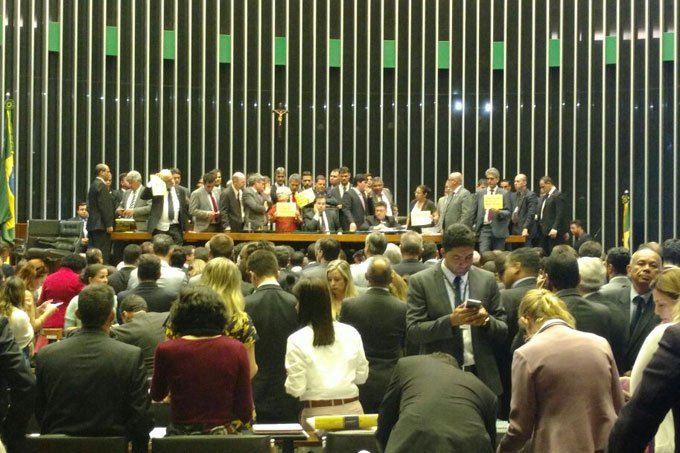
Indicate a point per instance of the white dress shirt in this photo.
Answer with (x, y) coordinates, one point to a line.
(325, 372)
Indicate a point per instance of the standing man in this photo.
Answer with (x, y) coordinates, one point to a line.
(101, 210)
(231, 204)
(217, 185)
(132, 205)
(274, 315)
(333, 182)
(203, 206)
(355, 205)
(460, 204)
(177, 179)
(169, 210)
(437, 318)
(320, 189)
(577, 234)
(294, 186)
(279, 181)
(380, 319)
(380, 193)
(524, 213)
(552, 215)
(492, 223)
(91, 384)
(306, 180)
(254, 203)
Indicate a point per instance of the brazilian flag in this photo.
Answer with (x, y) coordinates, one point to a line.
(625, 200)
(7, 214)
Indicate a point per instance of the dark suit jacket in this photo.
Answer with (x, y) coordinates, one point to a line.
(590, 317)
(634, 339)
(577, 242)
(353, 211)
(230, 211)
(428, 323)
(380, 319)
(390, 222)
(145, 331)
(99, 206)
(409, 267)
(92, 385)
(527, 205)
(373, 199)
(658, 392)
(554, 214)
(119, 279)
(157, 299)
(275, 317)
(620, 329)
(157, 208)
(313, 225)
(499, 220)
(432, 406)
(428, 206)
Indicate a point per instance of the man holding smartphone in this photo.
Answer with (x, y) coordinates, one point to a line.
(455, 308)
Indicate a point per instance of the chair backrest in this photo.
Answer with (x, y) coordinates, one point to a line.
(73, 228)
(58, 443)
(38, 229)
(212, 444)
(53, 334)
(350, 442)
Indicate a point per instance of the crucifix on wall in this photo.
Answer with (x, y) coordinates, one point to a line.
(280, 112)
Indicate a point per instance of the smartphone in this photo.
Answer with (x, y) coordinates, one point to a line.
(473, 303)
(56, 304)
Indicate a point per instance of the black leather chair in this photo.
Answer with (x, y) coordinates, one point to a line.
(350, 442)
(59, 443)
(212, 444)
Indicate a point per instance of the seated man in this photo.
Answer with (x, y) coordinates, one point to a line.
(380, 220)
(320, 219)
(90, 384)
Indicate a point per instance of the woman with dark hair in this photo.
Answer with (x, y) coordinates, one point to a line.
(325, 360)
(12, 296)
(421, 203)
(206, 372)
(94, 273)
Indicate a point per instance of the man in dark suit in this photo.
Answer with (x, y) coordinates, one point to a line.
(327, 250)
(657, 393)
(380, 319)
(411, 247)
(119, 279)
(637, 302)
(148, 272)
(91, 384)
(132, 205)
(617, 261)
(320, 219)
(577, 234)
(521, 269)
(355, 205)
(177, 179)
(380, 219)
(459, 206)
(552, 215)
(341, 185)
(437, 318)
(523, 216)
(231, 203)
(101, 209)
(380, 193)
(169, 208)
(140, 328)
(274, 314)
(431, 405)
(492, 224)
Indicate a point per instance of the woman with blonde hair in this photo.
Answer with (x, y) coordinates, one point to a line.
(666, 291)
(224, 277)
(340, 284)
(398, 287)
(560, 378)
(12, 296)
(32, 273)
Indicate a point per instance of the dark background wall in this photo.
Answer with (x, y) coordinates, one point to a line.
(585, 91)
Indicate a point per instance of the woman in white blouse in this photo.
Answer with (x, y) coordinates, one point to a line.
(666, 291)
(11, 303)
(325, 360)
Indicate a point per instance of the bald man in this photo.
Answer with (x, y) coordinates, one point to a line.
(459, 207)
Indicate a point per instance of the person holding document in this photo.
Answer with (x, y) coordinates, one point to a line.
(493, 214)
(284, 214)
(421, 210)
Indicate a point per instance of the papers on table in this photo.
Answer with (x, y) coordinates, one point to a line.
(421, 218)
(493, 201)
(284, 209)
(275, 429)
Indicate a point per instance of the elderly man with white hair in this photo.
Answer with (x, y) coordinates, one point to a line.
(593, 275)
(169, 207)
(132, 206)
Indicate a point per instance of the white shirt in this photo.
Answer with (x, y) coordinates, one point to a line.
(172, 278)
(164, 221)
(325, 372)
(468, 352)
(21, 327)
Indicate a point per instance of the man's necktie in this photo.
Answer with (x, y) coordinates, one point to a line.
(322, 224)
(171, 207)
(640, 305)
(458, 297)
(133, 198)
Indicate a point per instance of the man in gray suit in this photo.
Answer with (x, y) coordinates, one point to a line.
(617, 262)
(132, 205)
(203, 206)
(438, 318)
(459, 206)
(492, 224)
(254, 203)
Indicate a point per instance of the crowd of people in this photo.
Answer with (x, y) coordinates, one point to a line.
(576, 347)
